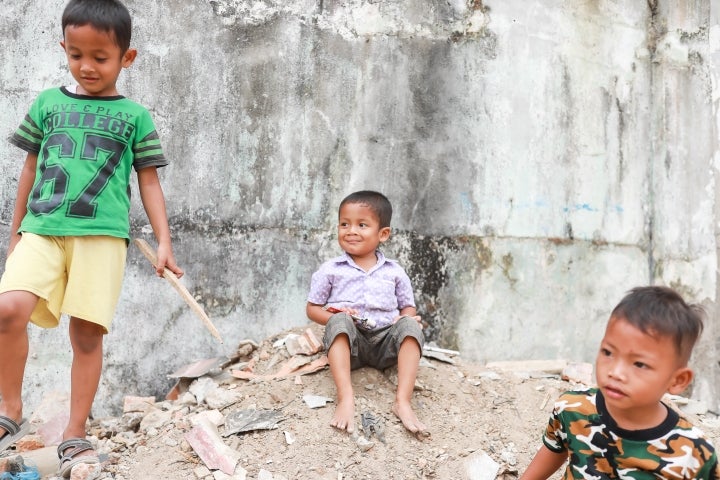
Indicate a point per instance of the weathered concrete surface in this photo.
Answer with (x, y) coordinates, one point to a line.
(543, 158)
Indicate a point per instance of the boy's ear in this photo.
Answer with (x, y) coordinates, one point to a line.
(129, 57)
(680, 381)
(384, 233)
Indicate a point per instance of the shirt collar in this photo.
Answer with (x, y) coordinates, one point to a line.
(346, 258)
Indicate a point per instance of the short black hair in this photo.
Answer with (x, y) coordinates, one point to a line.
(104, 15)
(657, 310)
(377, 202)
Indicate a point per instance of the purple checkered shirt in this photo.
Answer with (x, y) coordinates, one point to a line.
(378, 294)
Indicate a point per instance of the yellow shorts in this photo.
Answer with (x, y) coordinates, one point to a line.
(79, 276)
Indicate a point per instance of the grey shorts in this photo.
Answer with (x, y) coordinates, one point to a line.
(375, 348)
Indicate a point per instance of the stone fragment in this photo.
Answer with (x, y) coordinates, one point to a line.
(202, 471)
(29, 442)
(133, 403)
(316, 401)
(480, 466)
(578, 372)
(85, 471)
(202, 387)
(155, 419)
(207, 443)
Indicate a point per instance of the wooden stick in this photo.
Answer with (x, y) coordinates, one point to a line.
(149, 253)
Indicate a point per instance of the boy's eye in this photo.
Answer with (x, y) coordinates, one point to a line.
(101, 60)
(605, 352)
(640, 365)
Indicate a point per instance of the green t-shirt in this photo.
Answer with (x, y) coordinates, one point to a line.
(86, 147)
(597, 447)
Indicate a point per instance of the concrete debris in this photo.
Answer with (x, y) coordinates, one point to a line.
(289, 437)
(85, 471)
(202, 387)
(202, 471)
(137, 404)
(480, 466)
(694, 407)
(373, 425)
(305, 344)
(242, 421)
(316, 401)
(51, 417)
(15, 468)
(488, 375)
(431, 350)
(438, 356)
(197, 369)
(29, 443)
(222, 398)
(265, 475)
(207, 443)
(578, 372)
(155, 419)
(213, 416)
(363, 443)
(545, 366)
(432, 347)
(294, 366)
(206, 429)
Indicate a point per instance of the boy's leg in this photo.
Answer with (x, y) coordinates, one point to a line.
(86, 339)
(408, 362)
(339, 360)
(15, 309)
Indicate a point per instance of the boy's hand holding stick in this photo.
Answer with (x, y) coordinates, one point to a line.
(147, 250)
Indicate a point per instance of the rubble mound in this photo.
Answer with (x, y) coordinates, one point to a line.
(265, 414)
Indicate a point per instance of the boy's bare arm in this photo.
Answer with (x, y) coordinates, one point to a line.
(25, 184)
(545, 463)
(409, 312)
(317, 313)
(153, 201)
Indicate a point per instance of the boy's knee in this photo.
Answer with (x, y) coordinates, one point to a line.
(338, 325)
(15, 311)
(409, 326)
(341, 340)
(86, 337)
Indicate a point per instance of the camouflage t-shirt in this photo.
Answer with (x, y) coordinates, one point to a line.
(597, 448)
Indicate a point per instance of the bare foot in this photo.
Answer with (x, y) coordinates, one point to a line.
(407, 416)
(344, 418)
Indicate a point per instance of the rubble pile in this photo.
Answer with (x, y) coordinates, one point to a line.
(264, 413)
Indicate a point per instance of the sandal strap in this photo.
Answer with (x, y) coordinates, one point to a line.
(71, 447)
(9, 425)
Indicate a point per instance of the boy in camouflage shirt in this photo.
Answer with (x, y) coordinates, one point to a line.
(621, 429)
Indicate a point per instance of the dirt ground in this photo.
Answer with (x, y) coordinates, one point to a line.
(472, 413)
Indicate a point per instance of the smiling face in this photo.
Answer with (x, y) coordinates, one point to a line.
(95, 59)
(634, 370)
(359, 233)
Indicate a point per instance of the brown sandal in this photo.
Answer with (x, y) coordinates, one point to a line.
(68, 454)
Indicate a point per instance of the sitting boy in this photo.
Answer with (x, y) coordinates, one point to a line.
(375, 323)
(622, 429)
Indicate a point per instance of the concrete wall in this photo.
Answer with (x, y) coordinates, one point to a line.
(543, 157)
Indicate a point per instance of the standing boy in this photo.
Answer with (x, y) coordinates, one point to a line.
(621, 429)
(377, 324)
(70, 227)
